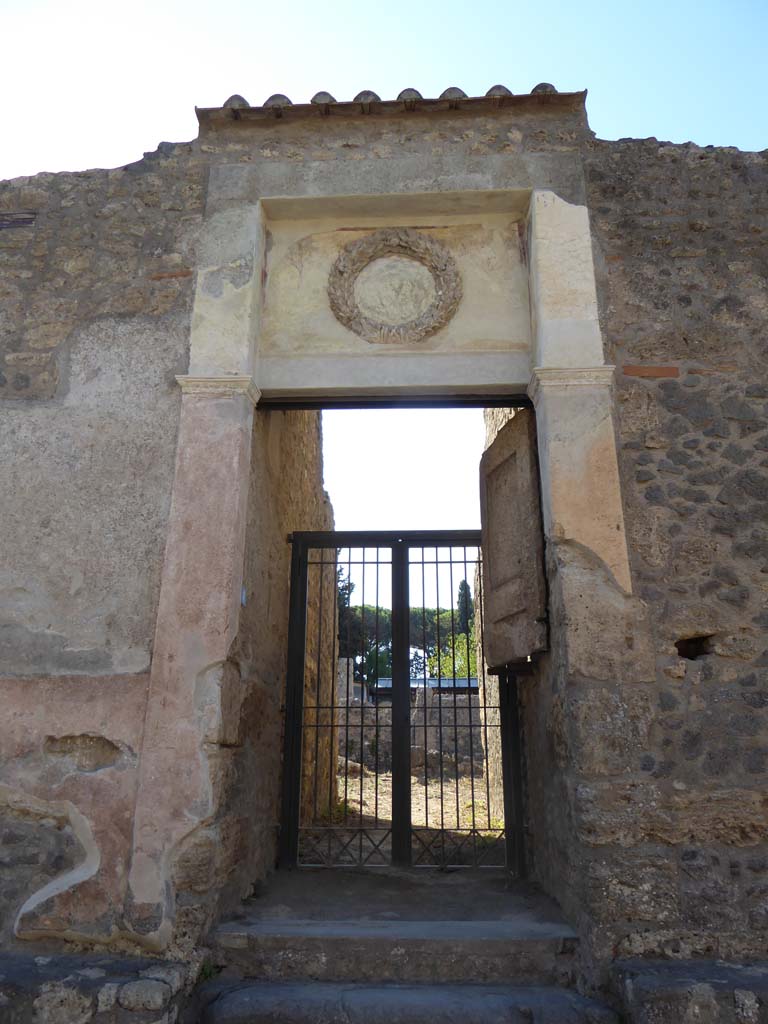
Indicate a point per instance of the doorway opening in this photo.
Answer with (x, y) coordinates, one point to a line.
(400, 748)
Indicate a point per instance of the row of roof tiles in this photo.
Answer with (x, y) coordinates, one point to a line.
(366, 97)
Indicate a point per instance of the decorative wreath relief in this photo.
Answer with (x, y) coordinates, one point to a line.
(394, 285)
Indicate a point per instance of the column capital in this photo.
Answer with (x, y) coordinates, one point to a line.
(544, 377)
(219, 387)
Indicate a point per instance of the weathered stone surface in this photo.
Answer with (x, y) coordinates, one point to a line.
(631, 813)
(34, 848)
(468, 1004)
(646, 740)
(705, 991)
(72, 804)
(89, 753)
(144, 994)
(80, 989)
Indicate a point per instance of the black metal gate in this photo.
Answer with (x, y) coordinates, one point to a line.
(400, 748)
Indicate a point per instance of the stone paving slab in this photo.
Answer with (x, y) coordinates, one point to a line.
(392, 894)
(265, 1003)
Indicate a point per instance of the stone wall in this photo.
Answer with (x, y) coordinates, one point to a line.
(646, 765)
(647, 809)
(96, 276)
(680, 237)
(446, 729)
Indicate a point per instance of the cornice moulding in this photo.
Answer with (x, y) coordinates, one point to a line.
(219, 387)
(567, 377)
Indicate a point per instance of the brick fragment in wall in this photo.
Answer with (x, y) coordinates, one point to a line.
(633, 370)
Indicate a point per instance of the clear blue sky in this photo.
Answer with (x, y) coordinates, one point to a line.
(95, 84)
(89, 83)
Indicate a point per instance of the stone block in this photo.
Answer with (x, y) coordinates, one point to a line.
(605, 631)
(632, 813)
(144, 994)
(608, 728)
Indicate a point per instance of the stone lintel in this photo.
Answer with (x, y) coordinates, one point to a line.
(219, 387)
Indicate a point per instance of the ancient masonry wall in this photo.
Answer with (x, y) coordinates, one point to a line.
(655, 821)
(96, 283)
(646, 791)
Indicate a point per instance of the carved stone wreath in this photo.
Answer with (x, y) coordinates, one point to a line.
(406, 244)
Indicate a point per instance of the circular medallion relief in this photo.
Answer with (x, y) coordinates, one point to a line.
(394, 285)
(394, 290)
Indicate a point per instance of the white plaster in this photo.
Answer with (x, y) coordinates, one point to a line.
(219, 386)
(492, 316)
(394, 289)
(580, 485)
(565, 323)
(81, 827)
(228, 293)
(384, 370)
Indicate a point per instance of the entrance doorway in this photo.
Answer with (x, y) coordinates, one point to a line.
(399, 750)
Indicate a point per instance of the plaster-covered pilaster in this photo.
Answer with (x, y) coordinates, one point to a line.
(182, 770)
(228, 293)
(581, 490)
(600, 643)
(564, 315)
(571, 387)
(194, 696)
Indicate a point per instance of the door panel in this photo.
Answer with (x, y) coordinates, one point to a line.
(514, 582)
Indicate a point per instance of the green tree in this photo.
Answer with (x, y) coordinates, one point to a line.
(457, 657)
(365, 634)
(465, 608)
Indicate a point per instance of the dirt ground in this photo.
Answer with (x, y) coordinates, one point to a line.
(457, 830)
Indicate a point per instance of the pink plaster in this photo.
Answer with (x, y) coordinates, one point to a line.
(100, 800)
(196, 625)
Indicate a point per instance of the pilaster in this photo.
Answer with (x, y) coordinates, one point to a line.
(581, 489)
(197, 623)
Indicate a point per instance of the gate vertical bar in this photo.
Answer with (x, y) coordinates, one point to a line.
(512, 772)
(401, 709)
(288, 848)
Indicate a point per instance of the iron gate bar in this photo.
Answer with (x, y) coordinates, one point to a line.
(386, 538)
(511, 767)
(477, 842)
(469, 717)
(401, 709)
(288, 843)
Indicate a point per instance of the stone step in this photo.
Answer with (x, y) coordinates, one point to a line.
(521, 950)
(325, 1003)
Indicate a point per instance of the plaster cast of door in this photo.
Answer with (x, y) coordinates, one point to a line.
(514, 589)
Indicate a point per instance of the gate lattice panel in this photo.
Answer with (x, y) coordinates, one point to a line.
(399, 745)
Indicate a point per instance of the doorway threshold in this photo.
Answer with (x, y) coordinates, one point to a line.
(399, 925)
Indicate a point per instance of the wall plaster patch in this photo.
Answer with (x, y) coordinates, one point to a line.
(394, 285)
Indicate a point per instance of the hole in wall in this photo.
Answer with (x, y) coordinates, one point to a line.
(693, 647)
